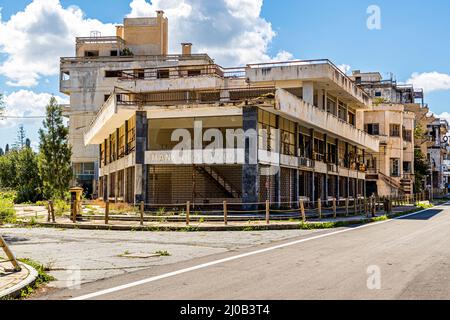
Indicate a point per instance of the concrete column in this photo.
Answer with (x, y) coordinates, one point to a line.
(141, 147)
(308, 92)
(278, 171)
(126, 137)
(337, 155)
(250, 169)
(311, 155)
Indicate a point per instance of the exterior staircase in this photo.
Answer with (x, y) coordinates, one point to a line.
(407, 184)
(220, 181)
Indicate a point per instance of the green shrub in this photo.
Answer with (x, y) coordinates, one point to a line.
(7, 212)
(61, 207)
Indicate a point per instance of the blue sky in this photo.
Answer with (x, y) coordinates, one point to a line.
(413, 39)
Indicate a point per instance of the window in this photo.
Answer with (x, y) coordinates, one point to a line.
(194, 73)
(351, 118)
(342, 111)
(395, 167)
(358, 80)
(373, 129)
(65, 76)
(139, 73)
(395, 130)
(407, 135)
(113, 147)
(287, 137)
(377, 93)
(163, 74)
(407, 167)
(131, 135)
(113, 73)
(331, 105)
(107, 97)
(114, 53)
(91, 53)
(267, 131)
(121, 151)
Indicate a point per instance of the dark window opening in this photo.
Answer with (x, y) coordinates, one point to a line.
(91, 53)
(163, 74)
(114, 53)
(378, 94)
(113, 74)
(373, 129)
(194, 73)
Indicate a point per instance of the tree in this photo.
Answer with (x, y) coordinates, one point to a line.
(55, 153)
(1, 152)
(7, 148)
(21, 138)
(28, 143)
(420, 169)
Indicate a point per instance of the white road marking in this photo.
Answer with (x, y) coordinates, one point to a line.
(248, 254)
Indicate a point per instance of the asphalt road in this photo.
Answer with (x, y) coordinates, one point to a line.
(407, 258)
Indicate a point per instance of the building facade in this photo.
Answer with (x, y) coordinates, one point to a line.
(391, 170)
(175, 128)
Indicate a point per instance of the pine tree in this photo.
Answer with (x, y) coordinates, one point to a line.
(1, 152)
(6, 148)
(55, 153)
(21, 139)
(28, 143)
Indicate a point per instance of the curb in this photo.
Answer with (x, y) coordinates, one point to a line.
(15, 290)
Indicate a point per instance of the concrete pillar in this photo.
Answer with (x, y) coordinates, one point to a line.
(308, 92)
(278, 171)
(337, 155)
(250, 168)
(141, 148)
(311, 156)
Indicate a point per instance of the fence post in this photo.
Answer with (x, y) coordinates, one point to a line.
(10, 255)
(302, 211)
(107, 212)
(52, 210)
(373, 208)
(142, 213)
(49, 211)
(225, 213)
(267, 212)
(346, 207)
(188, 211)
(319, 208)
(355, 205)
(334, 208)
(74, 211)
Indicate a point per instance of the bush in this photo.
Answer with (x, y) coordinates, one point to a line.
(7, 212)
(61, 207)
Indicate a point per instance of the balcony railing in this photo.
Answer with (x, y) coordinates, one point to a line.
(156, 58)
(182, 72)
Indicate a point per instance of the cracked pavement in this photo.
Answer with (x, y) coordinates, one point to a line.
(82, 256)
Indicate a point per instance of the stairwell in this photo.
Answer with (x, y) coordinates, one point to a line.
(219, 180)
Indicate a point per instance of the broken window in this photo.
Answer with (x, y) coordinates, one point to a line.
(65, 75)
(373, 129)
(163, 74)
(113, 73)
(91, 53)
(194, 73)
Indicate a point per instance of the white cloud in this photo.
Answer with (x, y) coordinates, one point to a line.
(430, 81)
(230, 31)
(26, 103)
(34, 39)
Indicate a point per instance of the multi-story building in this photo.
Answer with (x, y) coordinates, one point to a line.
(391, 170)
(181, 128)
(437, 153)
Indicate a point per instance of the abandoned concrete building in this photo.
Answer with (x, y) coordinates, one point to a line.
(397, 111)
(391, 170)
(128, 96)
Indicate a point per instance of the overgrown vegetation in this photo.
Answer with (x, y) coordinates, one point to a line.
(41, 279)
(7, 212)
(420, 168)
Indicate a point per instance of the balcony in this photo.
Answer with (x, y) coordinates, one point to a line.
(108, 118)
(323, 71)
(294, 107)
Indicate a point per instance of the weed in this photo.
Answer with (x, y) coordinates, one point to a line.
(163, 253)
(41, 279)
